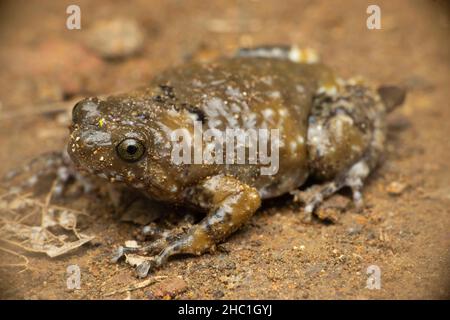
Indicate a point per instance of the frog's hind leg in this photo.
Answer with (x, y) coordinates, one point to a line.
(284, 52)
(353, 178)
(346, 136)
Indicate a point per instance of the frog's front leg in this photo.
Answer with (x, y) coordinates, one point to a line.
(229, 203)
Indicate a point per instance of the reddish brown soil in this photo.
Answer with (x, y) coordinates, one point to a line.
(276, 255)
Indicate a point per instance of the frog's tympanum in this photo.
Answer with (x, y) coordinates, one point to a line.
(329, 130)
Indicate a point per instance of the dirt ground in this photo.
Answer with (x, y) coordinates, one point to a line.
(404, 229)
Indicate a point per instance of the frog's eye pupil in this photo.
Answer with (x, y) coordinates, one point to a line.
(130, 150)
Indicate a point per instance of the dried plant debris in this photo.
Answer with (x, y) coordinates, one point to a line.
(24, 264)
(33, 226)
(136, 286)
(40, 239)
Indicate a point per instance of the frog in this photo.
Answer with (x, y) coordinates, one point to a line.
(330, 130)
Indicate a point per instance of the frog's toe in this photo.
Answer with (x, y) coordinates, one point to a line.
(152, 231)
(154, 247)
(319, 196)
(117, 255)
(353, 178)
(64, 176)
(153, 250)
(120, 252)
(143, 269)
(358, 199)
(158, 250)
(157, 260)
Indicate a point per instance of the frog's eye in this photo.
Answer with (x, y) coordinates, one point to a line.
(130, 150)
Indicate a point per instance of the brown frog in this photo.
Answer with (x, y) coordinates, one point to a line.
(327, 129)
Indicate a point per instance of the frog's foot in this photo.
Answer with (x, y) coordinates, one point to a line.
(160, 239)
(160, 250)
(67, 175)
(53, 164)
(292, 53)
(150, 249)
(353, 178)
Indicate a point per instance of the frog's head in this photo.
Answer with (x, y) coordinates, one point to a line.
(112, 138)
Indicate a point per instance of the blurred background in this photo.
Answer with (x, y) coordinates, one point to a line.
(122, 44)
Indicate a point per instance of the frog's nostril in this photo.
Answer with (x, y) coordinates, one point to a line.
(86, 108)
(92, 138)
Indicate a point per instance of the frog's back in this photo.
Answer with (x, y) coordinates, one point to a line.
(241, 86)
(253, 93)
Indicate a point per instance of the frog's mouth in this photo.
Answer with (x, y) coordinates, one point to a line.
(110, 175)
(90, 150)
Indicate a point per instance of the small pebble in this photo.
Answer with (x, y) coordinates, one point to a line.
(218, 294)
(115, 38)
(396, 188)
(131, 244)
(354, 230)
(170, 288)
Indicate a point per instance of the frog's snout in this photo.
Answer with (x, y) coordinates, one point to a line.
(87, 141)
(86, 110)
(89, 148)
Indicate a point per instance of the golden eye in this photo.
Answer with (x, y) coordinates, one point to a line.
(130, 150)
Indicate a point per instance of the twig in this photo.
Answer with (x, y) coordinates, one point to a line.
(56, 207)
(136, 286)
(38, 111)
(24, 264)
(4, 195)
(112, 277)
(42, 109)
(23, 218)
(22, 246)
(48, 198)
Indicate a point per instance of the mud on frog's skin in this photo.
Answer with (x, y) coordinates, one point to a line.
(331, 130)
